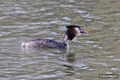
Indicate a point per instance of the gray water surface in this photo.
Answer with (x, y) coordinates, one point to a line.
(89, 55)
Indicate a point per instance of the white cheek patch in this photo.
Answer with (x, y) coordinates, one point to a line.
(78, 31)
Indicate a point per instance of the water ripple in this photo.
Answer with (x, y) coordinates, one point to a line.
(89, 55)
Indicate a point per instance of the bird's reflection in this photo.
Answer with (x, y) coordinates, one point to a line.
(67, 58)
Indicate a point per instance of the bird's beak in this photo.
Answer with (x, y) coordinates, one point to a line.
(82, 31)
(85, 31)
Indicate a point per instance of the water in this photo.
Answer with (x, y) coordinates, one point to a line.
(89, 55)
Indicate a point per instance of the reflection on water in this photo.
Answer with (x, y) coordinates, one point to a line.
(88, 56)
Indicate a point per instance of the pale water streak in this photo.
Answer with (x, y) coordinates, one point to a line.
(89, 55)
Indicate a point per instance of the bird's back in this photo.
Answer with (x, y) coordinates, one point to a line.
(44, 43)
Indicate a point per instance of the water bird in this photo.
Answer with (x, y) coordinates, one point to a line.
(68, 35)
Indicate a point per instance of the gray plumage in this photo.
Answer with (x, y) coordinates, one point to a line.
(44, 43)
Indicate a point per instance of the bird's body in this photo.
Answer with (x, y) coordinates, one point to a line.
(44, 43)
(72, 31)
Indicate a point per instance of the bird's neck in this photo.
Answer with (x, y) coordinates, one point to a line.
(64, 38)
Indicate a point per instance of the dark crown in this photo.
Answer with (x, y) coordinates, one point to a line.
(71, 26)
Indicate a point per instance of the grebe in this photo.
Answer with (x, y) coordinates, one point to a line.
(72, 31)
